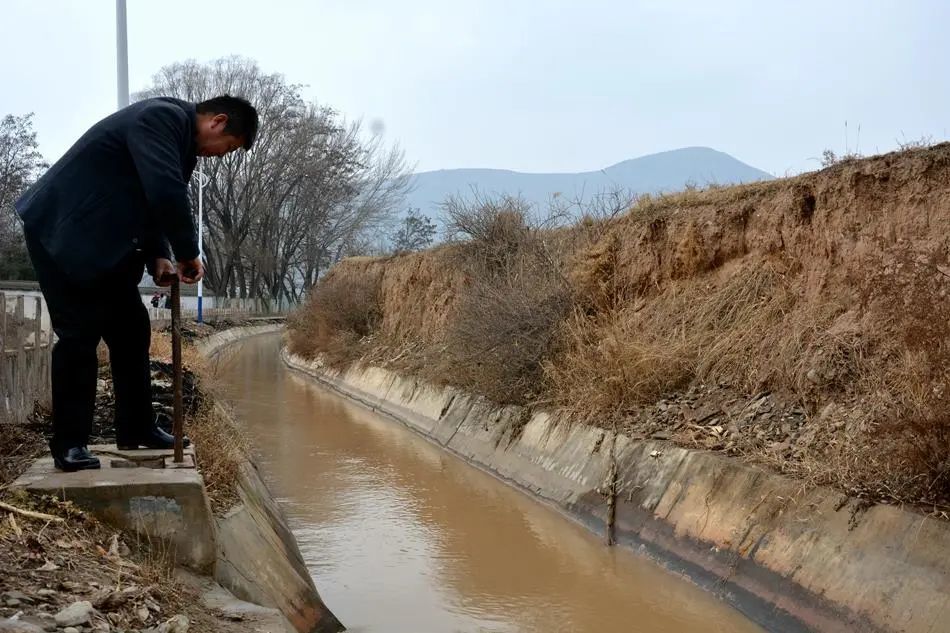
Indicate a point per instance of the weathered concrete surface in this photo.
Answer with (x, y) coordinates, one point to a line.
(168, 504)
(258, 559)
(792, 560)
(252, 617)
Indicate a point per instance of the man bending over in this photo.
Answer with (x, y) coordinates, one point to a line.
(115, 202)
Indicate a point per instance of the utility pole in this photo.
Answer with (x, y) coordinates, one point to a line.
(201, 252)
(121, 54)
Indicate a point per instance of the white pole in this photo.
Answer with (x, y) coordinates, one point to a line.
(201, 197)
(121, 54)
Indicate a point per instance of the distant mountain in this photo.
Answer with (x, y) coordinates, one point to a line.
(666, 171)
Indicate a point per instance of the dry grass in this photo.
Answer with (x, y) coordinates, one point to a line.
(19, 445)
(161, 349)
(745, 327)
(221, 449)
(343, 310)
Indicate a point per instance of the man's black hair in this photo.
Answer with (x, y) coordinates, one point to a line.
(242, 117)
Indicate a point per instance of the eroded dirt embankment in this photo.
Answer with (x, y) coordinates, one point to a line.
(799, 323)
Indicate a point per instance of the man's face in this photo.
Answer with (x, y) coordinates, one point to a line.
(213, 140)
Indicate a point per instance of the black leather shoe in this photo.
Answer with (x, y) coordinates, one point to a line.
(76, 458)
(156, 437)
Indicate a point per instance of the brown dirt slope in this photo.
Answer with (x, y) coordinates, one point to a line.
(803, 323)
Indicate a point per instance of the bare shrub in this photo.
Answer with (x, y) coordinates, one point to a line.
(503, 329)
(505, 319)
(921, 142)
(484, 219)
(494, 230)
(341, 310)
(829, 158)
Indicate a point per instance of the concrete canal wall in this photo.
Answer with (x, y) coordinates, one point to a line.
(792, 559)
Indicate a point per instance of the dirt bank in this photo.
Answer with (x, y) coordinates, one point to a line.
(798, 323)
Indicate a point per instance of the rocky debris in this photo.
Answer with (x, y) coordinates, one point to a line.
(103, 428)
(112, 599)
(177, 624)
(15, 625)
(78, 573)
(16, 596)
(772, 429)
(717, 418)
(76, 613)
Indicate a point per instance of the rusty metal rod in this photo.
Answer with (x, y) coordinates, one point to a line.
(178, 407)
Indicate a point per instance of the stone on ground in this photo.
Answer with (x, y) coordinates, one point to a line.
(9, 625)
(76, 613)
(177, 624)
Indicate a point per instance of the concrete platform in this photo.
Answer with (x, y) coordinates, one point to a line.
(142, 491)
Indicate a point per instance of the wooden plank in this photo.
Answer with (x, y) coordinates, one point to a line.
(6, 389)
(18, 312)
(36, 361)
(3, 323)
(37, 322)
(20, 368)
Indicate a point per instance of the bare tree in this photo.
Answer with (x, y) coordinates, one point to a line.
(416, 231)
(277, 216)
(20, 164)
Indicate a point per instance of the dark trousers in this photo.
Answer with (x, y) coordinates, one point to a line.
(109, 309)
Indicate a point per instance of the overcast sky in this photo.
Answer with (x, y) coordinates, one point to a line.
(552, 85)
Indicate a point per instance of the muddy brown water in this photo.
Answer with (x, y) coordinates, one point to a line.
(401, 537)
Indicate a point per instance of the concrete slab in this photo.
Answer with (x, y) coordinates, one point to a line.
(145, 456)
(241, 616)
(164, 503)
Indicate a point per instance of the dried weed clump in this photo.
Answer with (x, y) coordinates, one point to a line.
(221, 448)
(342, 310)
(504, 322)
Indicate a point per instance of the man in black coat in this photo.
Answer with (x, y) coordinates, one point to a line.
(118, 200)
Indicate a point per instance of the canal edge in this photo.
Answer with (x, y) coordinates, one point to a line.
(788, 559)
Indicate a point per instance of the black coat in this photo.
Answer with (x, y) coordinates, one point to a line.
(122, 187)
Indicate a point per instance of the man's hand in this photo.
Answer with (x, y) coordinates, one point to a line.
(191, 271)
(164, 272)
